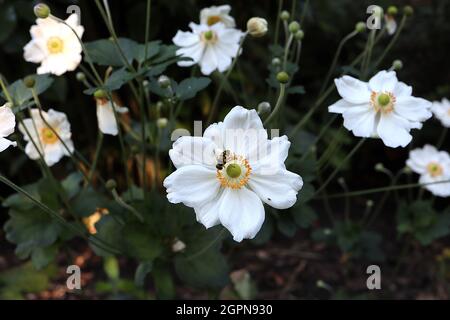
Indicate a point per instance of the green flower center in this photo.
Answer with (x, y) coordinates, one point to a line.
(234, 170)
(384, 99)
(208, 35)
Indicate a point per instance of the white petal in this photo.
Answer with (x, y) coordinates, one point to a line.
(193, 185)
(215, 132)
(438, 189)
(193, 150)
(241, 212)
(106, 119)
(5, 144)
(383, 81)
(402, 90)
(53, 153)
(7, 121)
(208, 214)
(277, 189)
(361, 120)
(194, 52)
(208, 62)
(269, 157)
(223, 60)
(340, 106)
(353, 90)
(394, 130)
(412, 108)
(33, 52)
(185, 39)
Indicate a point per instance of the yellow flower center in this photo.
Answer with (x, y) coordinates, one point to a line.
(209, 36)
(382, 101)
(435, 169)
(234, 172)
(55, 45)
(48, 136)
(213, 20)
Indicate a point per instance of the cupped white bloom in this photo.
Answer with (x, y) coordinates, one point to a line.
(441, 111)
(215, 14)
(381, 108)
(433, 166)
(7, 125)
(54, 45)
(391, 24)
(105, 116)
(212, 47)
(229, 173)
(41, 138)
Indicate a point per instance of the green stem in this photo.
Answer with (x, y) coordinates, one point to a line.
(213, 112)
(286, 50)
(278, 105)
(96, 156)
(147, 28)
(126, 206)
(319, 136)
(277, 25)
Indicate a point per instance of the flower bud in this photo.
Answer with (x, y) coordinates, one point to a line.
(294, 26)
(8, 105)
(145, 83)
(392, 10)
(360, 27)
(341, 181)
(111, 184)
(397, 64)
(257, 27)
(284, 15)
(408, 11)
(369, 203)
(276, 61)
(100, 94)
(299, 35)
(282, 77)
(81, 76)
(178, 246)
(264, 107)
(379, 167)
(41, 10)
(29, 82)
(164, 82)
(161, 123)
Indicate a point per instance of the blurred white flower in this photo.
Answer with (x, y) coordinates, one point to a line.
(54, 45)
(391, 24)
(105, 116)
(44, 138)
(7, 125)
(441, 111)
(212, 47)
(382, 107)
(433, 166)
(229, 173)
(215, 14)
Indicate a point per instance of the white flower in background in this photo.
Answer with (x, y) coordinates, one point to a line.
(441, 111)
(54, 45)
(7, 125)
(215, 14)
(433, 166)
(45, 138)
(391, 24)
(106, 118)
(382, 107)
(229, 173)
(212, 47)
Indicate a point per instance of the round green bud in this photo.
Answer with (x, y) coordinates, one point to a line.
(276, 61)
(234, 170)
(81, 76)
(294, 26)
(282, 77)
(264, 107)
(161, 123)
(408, 10)
(164, 82)
(284, 15)
(397, 64)
(384, 99)
(360, 27)
(379, 167)
(41, 10)
(100, 94)
(145, 83)
(111, 184)
(369, 203)
(29, 82)
(392, 10)
(299, 35)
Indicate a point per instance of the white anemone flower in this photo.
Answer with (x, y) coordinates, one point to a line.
(441, 111)
(106, 118)
(229, 173)
(433, 166)
(391, 24)
(212, 47)
(44, 138)
(215, 14)
(381, 108)
(7, 125)
(54, 45)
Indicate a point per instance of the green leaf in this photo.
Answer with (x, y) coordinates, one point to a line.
(165, 288)
(143, 269)
(188, 88)
(109, 230)
(304, 216)
(111, 267)
(87, 202)
(140, 243)
(43, 256)
(72, 184)
(21, 94)
(296, 90)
